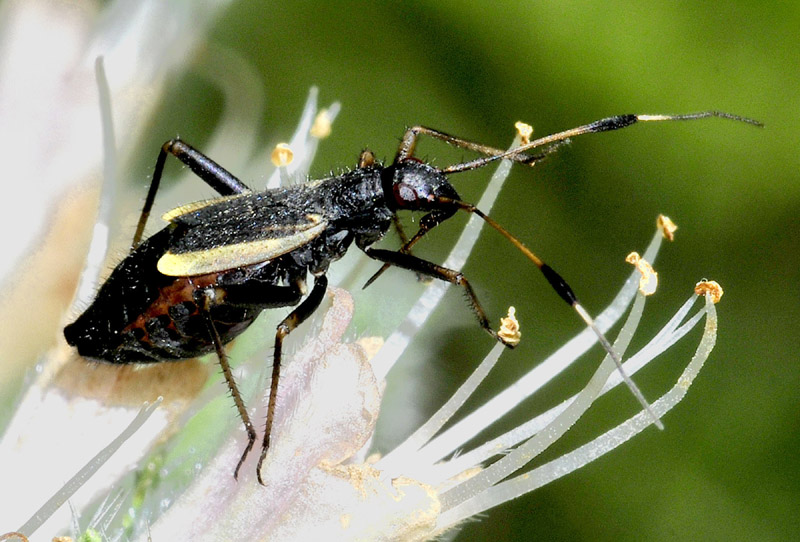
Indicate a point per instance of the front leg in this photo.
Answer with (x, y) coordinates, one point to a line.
(413, 263)
(426, 224)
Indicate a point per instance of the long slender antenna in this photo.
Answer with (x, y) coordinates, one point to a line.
(565, 292)
(603, 125)
(519, 154)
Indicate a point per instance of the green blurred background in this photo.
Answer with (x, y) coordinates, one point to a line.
(726, 468)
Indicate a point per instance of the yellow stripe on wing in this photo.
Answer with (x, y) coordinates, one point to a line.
(214, 260)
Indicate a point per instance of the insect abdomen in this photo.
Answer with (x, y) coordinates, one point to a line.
(140, 315)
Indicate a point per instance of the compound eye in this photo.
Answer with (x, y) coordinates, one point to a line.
(405, 193)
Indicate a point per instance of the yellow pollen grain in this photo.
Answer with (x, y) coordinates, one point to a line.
(649, 279)
(282, 155)
(322, 125)
(667, 227)
(525, 131)
(710, 288)
(509, 331)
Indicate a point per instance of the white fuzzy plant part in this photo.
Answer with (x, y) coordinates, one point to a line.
(319, 484)
(316, 483)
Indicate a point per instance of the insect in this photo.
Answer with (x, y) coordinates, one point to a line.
(202, 280)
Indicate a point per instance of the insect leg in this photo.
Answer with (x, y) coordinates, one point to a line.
(565, 292)
(204, 167)
(426, 224)
(237, 398)
(297, 317)
(406, 247)
(259, 295)
(413, 263)
(400, 231)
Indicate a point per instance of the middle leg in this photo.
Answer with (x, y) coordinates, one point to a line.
(297, 317)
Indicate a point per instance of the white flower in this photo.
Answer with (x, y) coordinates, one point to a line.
(80, 432)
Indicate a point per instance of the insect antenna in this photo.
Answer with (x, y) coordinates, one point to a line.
(428, 222)
(518, 154)
(544, 146)
(565, 292)
(603, 125)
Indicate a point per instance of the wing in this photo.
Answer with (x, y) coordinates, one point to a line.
(177, 212)
(231, 232)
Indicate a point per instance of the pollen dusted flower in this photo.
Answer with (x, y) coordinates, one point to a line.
(149, 452)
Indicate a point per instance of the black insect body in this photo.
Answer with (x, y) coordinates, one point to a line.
(201, 281)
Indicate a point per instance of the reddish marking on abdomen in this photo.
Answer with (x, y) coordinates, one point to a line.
(182, 289)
